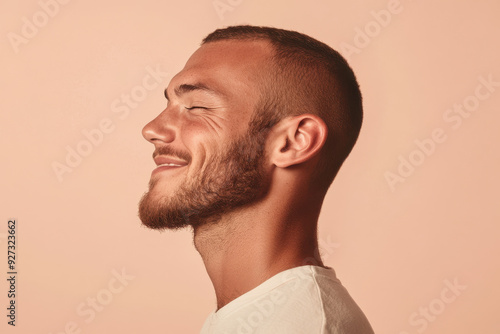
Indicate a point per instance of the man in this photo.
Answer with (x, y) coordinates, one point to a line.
(257, 124)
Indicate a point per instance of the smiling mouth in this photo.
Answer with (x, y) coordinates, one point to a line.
(166, 167)
(170, 165)
(165, 163)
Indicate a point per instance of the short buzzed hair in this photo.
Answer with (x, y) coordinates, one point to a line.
(307, 76)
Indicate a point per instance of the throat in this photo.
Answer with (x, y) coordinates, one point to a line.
(238, 257)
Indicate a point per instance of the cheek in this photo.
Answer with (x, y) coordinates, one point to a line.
(196, 136)
(206, 129)
(199, 123)
(200, 142)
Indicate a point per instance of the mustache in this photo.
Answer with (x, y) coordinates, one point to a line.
(170, 151)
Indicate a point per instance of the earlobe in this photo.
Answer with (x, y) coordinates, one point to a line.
(297, 139)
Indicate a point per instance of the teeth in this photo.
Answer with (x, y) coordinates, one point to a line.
(169, 165)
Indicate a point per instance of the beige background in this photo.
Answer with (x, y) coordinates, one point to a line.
(394, 247)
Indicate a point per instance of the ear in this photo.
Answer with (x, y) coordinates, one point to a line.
(297, 139)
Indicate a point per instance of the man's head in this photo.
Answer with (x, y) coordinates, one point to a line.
(307, 76)
(241, 84)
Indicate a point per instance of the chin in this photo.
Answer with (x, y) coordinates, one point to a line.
(154, 213)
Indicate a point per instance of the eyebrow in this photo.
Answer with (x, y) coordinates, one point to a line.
(187, 88)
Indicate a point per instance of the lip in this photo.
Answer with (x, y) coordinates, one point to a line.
(165, 163)
(165, 160)
(162, 168)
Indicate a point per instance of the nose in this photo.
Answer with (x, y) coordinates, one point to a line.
(160, 129)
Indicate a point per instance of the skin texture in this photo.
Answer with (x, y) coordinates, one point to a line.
(264, 219)
(224, 161)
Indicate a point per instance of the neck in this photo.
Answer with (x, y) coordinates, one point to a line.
(251, 244)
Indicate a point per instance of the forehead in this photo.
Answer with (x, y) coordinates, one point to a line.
(229, 67)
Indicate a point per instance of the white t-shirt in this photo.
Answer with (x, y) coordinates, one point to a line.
(301, 300)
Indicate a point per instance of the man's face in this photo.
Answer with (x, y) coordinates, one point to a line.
(208, 163)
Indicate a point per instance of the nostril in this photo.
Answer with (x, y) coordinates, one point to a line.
(147, 132)
(159, 130)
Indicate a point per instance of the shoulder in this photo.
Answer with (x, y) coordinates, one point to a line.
(313, 300)
(305, 299)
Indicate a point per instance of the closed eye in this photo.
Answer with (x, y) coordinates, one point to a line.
(195, 107)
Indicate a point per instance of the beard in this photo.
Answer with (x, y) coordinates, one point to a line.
(233, 177)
